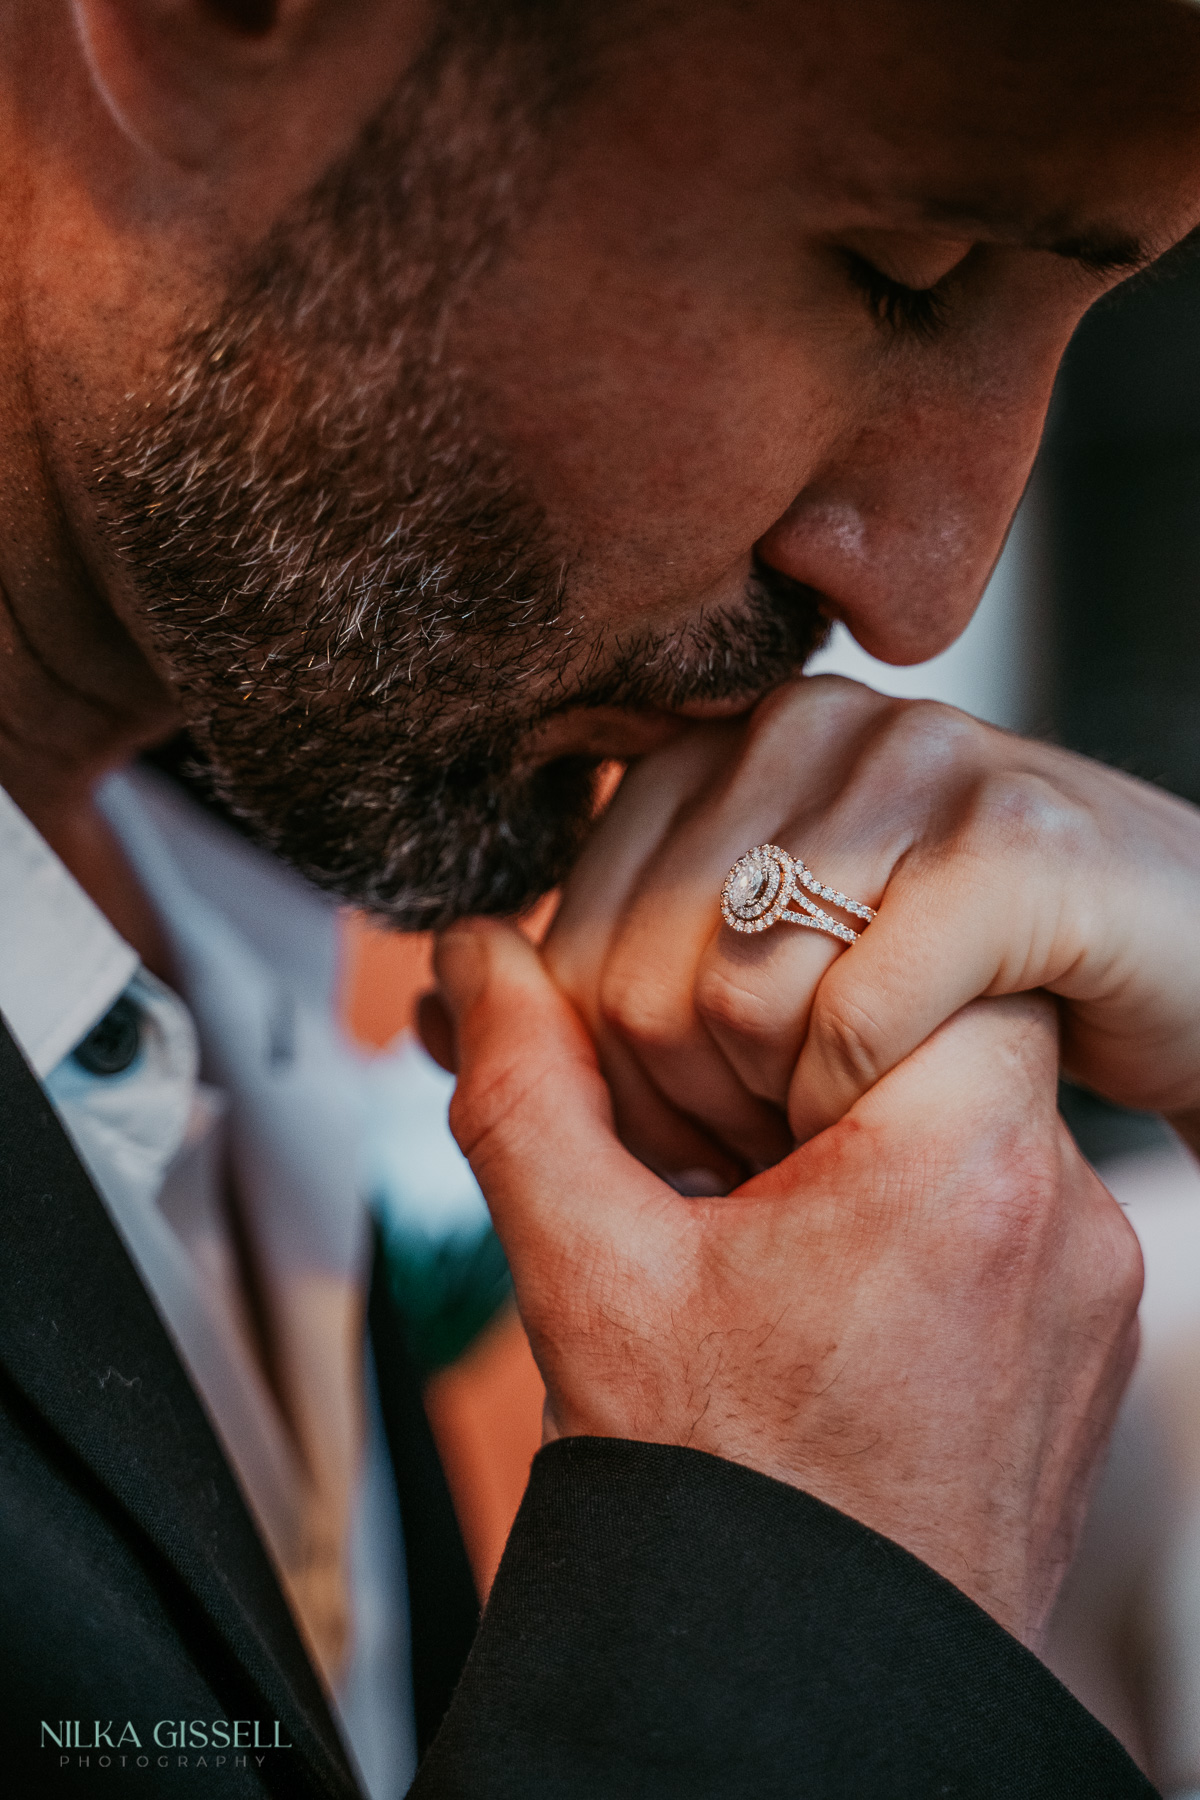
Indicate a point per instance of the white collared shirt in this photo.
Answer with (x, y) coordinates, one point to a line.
(247, 1096)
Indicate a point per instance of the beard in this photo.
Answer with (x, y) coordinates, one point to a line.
(361, 610)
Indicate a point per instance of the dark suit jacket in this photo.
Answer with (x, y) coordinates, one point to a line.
(663, 1623)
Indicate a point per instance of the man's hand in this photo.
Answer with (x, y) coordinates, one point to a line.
(998, 866)
(925, 1316)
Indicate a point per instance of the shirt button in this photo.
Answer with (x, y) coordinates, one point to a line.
(113, 1042)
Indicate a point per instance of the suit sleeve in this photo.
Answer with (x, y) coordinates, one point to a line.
(670, 1625)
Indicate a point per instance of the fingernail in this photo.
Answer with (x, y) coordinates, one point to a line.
(460, 964)
(435, 1028)
(698, 1184)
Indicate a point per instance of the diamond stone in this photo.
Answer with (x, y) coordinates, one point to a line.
(745, 886)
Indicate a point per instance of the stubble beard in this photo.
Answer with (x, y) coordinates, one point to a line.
(361, 611)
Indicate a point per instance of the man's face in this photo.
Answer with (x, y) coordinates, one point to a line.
(600, 376)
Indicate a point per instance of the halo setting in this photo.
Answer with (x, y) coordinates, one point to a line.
(762, 884)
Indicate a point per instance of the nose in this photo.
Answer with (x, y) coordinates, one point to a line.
(901, 524)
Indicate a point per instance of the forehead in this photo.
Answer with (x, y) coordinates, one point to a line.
(1031, 122)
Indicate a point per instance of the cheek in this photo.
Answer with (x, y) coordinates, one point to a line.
(659, 445)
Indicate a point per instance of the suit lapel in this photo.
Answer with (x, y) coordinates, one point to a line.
(81, 1339)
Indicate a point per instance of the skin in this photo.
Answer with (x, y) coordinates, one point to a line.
(948, 1368)
(680, 361)
(998, 866)
(681, 376)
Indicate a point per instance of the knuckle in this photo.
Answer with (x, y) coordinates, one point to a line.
(1018, 810)
(489, 1110)
(639, 1009)
(735, 1007)
(1002, 1179)
(824, 706)
(780, 702)
(1018, 1223)
(922, 738)
(480, 1106)
(1020, 1032)
(847, 1037)
(1120, 1268)
(1130, 1274)
(1010, 1208)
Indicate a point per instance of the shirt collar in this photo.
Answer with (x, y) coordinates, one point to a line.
(61, 963)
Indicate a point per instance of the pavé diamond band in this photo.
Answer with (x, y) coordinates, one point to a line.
(764, 884)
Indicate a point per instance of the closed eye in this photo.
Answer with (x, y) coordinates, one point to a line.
(906, 311)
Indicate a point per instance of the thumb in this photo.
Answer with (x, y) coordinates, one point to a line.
(531, 1111)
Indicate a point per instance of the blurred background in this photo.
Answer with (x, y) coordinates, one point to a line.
(1089, 635)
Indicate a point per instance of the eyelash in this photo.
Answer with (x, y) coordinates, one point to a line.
(907, 312)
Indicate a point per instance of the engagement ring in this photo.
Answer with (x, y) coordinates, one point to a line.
(762, 886)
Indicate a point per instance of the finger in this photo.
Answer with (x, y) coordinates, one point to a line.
(898, 780)
(657, 1037)
(647, 987)
(992, 1062)
(593, 904)
(673, 1144)
(952, 925)
(947, 1121)
(754, 992)
(531, 1111)
(435, 1028)
(600, 908)
(606, 874)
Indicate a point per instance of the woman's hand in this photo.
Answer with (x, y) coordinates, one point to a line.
(998, 866)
